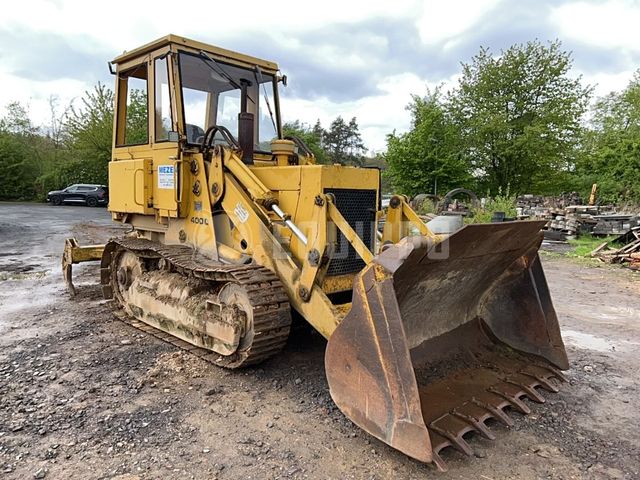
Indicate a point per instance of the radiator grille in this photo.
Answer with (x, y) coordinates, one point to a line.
(358, 207)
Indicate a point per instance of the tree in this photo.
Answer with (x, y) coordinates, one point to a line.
(426, 159)
(312, 137)
(343, 143)
(90, 127)
(318, 131)
(89, 132)
(137, 128)
(612, 147)
(17, 121)
(519, 116)
(55, 130)
(19, 156)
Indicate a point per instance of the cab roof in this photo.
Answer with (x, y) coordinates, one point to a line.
(197, 46)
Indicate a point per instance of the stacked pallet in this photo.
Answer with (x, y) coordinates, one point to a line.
(615, 224)
(624, 250)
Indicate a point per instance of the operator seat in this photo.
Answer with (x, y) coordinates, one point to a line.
(195, 134)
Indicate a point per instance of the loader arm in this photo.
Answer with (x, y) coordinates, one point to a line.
(244, 188)
(399, 221)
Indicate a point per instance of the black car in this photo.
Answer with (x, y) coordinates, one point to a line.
(81, 193)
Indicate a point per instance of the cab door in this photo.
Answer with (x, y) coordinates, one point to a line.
(168, 167)
(130, 171)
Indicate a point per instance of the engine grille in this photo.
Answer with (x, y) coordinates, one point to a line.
(358, 208)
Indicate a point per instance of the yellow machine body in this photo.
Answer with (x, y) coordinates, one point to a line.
(428, 335)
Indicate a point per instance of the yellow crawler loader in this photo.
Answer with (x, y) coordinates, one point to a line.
(233, 225)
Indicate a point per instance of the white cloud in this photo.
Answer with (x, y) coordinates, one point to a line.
(605, 83)
(444, 20)
(377, 115)
(613, 23)
(36, 94)
(124, 24)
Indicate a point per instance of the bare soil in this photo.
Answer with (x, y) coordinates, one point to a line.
(85, 396)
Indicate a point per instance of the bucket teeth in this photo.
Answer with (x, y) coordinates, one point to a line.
(556, 373)
(478, 425)
(496, 412)
(453, 434)
(528, 389)
(499, 384)
(513, 398)
(438, 461)
(544, 382)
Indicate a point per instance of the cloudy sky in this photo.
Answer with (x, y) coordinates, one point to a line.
(347, 57)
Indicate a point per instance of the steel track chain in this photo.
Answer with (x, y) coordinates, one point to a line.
(271, 309)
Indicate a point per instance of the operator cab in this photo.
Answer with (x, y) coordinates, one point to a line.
(192, 87)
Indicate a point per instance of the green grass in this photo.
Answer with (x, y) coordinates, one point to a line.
(583, 246)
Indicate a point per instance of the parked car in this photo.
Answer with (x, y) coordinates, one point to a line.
(81, 193)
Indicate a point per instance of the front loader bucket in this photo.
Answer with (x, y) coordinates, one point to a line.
(442, 337)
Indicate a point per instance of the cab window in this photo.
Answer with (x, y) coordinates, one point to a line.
(133, 105)
(211, 96)
(163, 124)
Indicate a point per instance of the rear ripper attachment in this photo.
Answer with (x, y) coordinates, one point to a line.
(74, 254)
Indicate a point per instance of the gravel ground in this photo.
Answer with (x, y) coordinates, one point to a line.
(85, 396)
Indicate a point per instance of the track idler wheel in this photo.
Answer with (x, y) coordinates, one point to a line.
(125, 268)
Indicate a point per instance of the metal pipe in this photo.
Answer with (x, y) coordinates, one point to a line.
(276, 101)
(292, 226)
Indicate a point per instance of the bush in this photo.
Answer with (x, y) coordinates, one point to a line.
(500, 203)
(427, 206)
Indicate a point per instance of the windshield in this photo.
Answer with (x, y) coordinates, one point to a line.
(211, 96)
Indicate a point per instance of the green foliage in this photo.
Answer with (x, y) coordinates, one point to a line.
(611, 155)
(20, 161)
(90, 132)
(137, 127)
(16, 168)
(500, 203)
(343, 143)
(312, 137)
(74, 148)
(17, 121)
(519, 114)
(429, 154)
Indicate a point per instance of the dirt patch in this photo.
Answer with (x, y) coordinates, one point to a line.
(85, 396)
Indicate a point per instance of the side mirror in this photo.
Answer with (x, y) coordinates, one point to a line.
(173, 136)
(283, 79)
